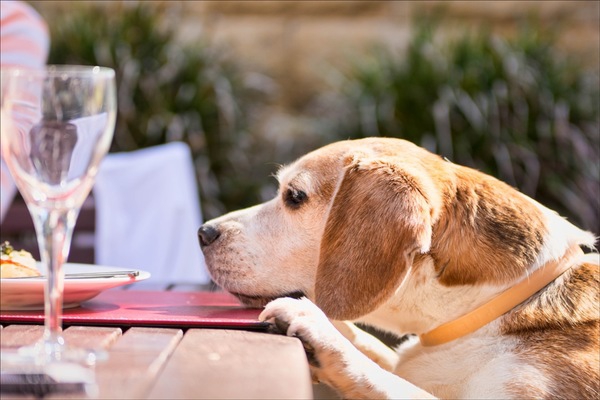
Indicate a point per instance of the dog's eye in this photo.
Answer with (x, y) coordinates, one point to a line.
(294, 198)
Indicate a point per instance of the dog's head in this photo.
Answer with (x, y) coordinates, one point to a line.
(350, 220)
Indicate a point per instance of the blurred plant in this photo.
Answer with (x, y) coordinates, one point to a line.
(167, 91)
(514, 108)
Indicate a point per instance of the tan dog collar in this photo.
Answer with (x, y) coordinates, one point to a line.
(502, 303)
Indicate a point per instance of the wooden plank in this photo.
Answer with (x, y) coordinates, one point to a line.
(227, 364)
(14, 336)
(134, 362)
(134, 358)
(91, 337)
(81, 336)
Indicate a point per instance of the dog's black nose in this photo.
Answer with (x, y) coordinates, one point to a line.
(207, 234)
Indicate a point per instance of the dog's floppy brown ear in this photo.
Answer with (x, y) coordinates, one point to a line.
(380, 217)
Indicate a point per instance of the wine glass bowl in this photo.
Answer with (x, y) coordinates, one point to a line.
(57, 124)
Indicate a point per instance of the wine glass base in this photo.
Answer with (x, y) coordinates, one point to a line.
(19, 377)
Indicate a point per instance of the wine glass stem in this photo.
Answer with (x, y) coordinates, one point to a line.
(54, 229)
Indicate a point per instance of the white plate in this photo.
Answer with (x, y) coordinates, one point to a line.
(28, 294)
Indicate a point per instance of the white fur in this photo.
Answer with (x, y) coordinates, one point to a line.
(413, 308)
(561, 235)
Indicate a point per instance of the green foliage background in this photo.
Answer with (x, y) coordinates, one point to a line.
(167, 91)
(514, 108)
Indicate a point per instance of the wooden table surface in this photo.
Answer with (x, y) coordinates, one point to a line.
(189, 363)
(168, 363)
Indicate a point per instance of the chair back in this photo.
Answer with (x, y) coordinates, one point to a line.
(148, 214)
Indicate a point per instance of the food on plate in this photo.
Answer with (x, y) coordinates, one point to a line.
(16, 264)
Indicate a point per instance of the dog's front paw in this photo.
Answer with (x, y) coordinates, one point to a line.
(303, 319)
(293, 317)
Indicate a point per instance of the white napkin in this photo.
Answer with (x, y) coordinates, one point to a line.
(148, 214)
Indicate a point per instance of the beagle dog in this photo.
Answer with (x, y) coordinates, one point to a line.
(493, 289)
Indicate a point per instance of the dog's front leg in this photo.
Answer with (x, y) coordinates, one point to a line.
(333, 358)
(368, 344)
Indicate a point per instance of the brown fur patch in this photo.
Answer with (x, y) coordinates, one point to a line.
(487, 232)
(559, 333)
(378, 221)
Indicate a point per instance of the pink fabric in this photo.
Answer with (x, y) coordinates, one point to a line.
(24, 37)
(24, 42)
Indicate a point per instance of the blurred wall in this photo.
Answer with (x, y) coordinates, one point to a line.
(294, 43)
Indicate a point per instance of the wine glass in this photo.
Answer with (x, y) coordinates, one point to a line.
(57, 124)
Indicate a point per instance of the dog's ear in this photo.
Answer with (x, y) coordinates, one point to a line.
(379, 219)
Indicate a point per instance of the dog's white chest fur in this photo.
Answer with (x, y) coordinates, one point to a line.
(464, 369)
